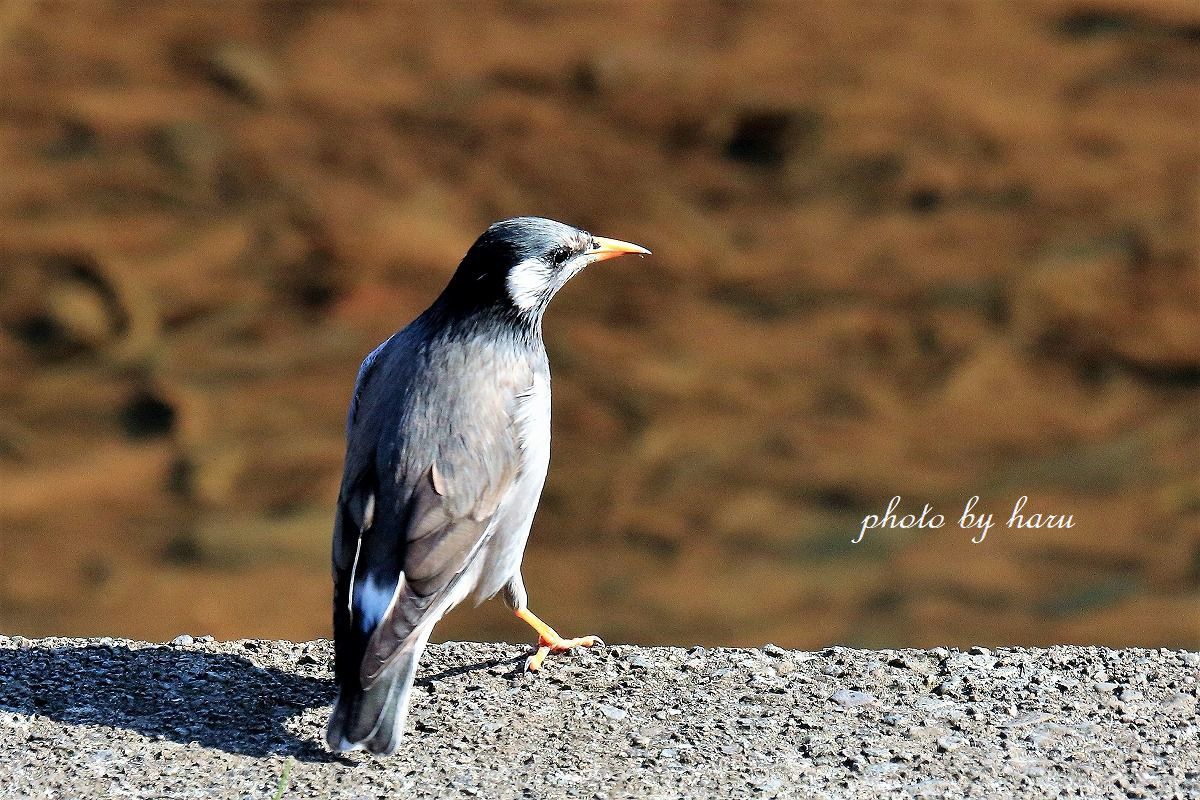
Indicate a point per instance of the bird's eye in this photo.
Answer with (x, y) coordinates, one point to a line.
(561, 255)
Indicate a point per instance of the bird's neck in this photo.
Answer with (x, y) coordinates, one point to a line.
(456, 316)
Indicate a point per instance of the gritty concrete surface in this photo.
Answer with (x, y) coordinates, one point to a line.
(206, 719)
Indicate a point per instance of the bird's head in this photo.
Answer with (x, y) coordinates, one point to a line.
(519, 264)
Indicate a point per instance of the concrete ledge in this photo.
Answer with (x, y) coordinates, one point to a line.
(205, 719)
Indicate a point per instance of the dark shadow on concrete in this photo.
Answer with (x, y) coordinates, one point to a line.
(213, 699)
(217, 700)
(517, 661)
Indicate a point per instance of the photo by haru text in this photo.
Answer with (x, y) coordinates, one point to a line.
(970, 519)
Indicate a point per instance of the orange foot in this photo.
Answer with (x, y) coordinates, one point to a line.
(550, 642)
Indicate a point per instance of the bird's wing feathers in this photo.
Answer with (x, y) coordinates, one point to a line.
(441, 538)
(441, 479)
(441, 545)
(357, 497)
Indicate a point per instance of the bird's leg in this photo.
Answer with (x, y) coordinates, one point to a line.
(549, 641)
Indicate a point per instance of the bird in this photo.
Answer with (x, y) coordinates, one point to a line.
(447, 450)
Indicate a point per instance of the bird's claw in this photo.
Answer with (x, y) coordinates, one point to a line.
(560, 645)
(557, 644)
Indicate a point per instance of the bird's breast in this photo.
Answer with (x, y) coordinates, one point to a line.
(532, 423)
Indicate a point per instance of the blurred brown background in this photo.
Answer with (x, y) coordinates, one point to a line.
(925, 249)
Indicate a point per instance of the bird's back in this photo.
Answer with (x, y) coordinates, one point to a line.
(447, 448)
(446, 393)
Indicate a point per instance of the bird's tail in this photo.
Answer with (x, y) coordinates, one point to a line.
(372, 718)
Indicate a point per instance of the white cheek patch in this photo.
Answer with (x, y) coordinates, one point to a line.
(530, 284)
(572, 268)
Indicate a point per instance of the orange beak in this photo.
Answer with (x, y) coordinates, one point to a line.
(611, 248)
